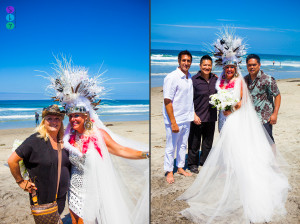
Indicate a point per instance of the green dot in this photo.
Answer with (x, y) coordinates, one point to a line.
(10, 25)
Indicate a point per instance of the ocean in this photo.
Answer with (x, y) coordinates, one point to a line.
(165, 61)
(20, 113)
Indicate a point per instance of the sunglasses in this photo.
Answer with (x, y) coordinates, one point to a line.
(74, 115)
(50, 119)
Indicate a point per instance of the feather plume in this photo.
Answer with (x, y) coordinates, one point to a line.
(228, 47)
(72, 83)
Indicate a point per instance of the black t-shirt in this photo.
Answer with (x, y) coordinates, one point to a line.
(41, 160)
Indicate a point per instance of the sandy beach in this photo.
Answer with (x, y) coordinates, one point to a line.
(286, 133)
(14, 204)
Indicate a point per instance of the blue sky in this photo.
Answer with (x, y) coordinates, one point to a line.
(269, 27)
(115, 33)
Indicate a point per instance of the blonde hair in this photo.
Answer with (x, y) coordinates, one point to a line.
(43, 132)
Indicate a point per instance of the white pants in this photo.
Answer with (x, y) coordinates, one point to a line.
(173, 141)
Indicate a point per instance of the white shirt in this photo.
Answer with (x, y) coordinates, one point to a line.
(179, 90)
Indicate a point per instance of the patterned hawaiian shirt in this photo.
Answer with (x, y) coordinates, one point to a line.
(262, 89)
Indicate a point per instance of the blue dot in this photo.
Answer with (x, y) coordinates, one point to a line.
(10, 17)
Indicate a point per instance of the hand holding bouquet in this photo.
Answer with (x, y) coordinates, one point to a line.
(223, 100)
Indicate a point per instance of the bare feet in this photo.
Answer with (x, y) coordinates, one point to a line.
(183, 172)
(170, 178)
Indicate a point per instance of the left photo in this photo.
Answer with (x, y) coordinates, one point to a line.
(74, 112)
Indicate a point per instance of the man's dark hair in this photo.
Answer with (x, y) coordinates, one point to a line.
(205, 57)
(255, 56)
(184, 53)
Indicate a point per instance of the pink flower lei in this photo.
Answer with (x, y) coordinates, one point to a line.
(228, 86)
(86, 139)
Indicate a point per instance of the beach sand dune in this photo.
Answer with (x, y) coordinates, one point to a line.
(164, 208)
(14, 203)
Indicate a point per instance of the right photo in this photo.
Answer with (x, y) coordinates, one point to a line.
(225, 86)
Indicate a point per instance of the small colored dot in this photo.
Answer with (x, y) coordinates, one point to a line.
(10, 17)
(10, 25)
(10, 9)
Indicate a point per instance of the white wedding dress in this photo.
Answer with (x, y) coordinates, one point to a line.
(104, 188)
(242, 180)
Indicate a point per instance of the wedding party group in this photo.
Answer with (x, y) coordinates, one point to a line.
(150, 112)
(242, 177)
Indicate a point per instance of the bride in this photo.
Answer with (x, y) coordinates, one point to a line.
(104, 188)
(241, 180)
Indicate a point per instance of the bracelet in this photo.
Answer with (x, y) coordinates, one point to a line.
(145, 155)
(233, 109)
(20, 181)
(26, 185)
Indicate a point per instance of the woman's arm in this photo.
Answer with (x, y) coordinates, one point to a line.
(13, 162)
(119, 150)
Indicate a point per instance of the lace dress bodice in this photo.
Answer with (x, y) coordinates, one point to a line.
(76, 183)
(222, 117)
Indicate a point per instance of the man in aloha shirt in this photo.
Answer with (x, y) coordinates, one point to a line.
(263, 88)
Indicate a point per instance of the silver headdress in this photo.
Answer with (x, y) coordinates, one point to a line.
(228, 48)
(73, 88)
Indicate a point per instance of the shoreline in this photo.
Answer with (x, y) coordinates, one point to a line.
(157, 81)
(29, 123)
(165, 208)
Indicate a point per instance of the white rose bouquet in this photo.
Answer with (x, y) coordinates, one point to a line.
(223, 100)
(23, 169)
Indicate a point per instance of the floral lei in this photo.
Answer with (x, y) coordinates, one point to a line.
(86, 139)
(228, 86)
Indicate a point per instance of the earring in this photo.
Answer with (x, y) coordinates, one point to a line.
(88, 125)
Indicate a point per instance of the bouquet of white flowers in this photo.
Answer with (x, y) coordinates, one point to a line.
(223, 100)
(23, 169)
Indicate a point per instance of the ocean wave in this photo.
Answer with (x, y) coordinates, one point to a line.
(295, 64)
(124, 109)
(174, 62)
(117, 111)
(166, 73)
(16, 117)
(20, 109)
(161, 57)
(124, 106)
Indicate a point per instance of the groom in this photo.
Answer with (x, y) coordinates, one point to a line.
(178, 113)
(263, 89)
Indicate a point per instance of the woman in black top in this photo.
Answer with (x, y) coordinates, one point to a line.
(40, 155)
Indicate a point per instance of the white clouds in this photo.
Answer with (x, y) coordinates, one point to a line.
(237, 27)
(227, 20)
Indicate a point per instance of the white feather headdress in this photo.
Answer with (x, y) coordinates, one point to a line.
(73, 87)
(228, 48)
